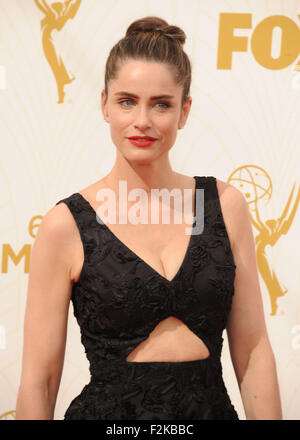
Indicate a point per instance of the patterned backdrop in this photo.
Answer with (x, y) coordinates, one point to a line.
(243, 128)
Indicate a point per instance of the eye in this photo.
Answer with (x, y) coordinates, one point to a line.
(165, 104)
(125, 100)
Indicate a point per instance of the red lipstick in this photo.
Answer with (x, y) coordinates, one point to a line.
(139, 142)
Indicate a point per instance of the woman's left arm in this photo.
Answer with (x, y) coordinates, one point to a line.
(250, 349)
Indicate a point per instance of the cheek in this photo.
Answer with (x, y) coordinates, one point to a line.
(168, 125)
(118, 122)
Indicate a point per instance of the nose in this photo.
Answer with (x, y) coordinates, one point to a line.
(142, 118)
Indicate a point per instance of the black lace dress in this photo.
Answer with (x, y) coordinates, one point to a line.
(119, 299)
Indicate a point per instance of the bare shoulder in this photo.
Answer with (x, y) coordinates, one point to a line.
(58, 229)
(234, 209)
(230, 195)
(59, 222)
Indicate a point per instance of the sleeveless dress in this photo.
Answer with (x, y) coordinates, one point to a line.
(119, 299)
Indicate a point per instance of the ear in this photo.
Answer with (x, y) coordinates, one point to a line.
(184, 113)
(104, 105)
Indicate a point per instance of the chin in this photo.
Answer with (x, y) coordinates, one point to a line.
(140, 161)
(140, 156)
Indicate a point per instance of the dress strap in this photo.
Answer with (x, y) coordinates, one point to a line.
(83, 215)
(219, 225)
(85, 222)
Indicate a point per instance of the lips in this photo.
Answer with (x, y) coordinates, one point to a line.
(148, 138)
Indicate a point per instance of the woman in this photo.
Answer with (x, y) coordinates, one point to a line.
(151, 301)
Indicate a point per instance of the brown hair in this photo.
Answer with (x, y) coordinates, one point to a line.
(152, 39)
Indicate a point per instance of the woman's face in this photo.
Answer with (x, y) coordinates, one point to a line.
(139, 113)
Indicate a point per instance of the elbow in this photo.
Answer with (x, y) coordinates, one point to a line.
(259, 358)
(36, 399)
(33, 403)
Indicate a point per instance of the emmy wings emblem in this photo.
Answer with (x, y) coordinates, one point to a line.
(55, 18)
(256, 185)
(9, 415)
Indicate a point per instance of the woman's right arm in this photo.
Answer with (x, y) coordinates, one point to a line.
(46, 316)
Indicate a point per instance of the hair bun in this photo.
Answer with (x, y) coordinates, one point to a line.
(156, 25)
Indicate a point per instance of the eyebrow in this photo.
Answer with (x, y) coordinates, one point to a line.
(151, 97)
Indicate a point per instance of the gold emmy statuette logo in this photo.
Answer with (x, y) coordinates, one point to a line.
(8, 415)
(256, 185)
(55, 18)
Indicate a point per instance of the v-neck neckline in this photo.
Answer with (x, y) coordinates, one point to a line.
(154, 271)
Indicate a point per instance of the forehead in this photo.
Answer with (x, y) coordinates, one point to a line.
(145, 77)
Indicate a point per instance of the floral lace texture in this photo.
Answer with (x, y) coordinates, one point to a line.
(119, 299)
